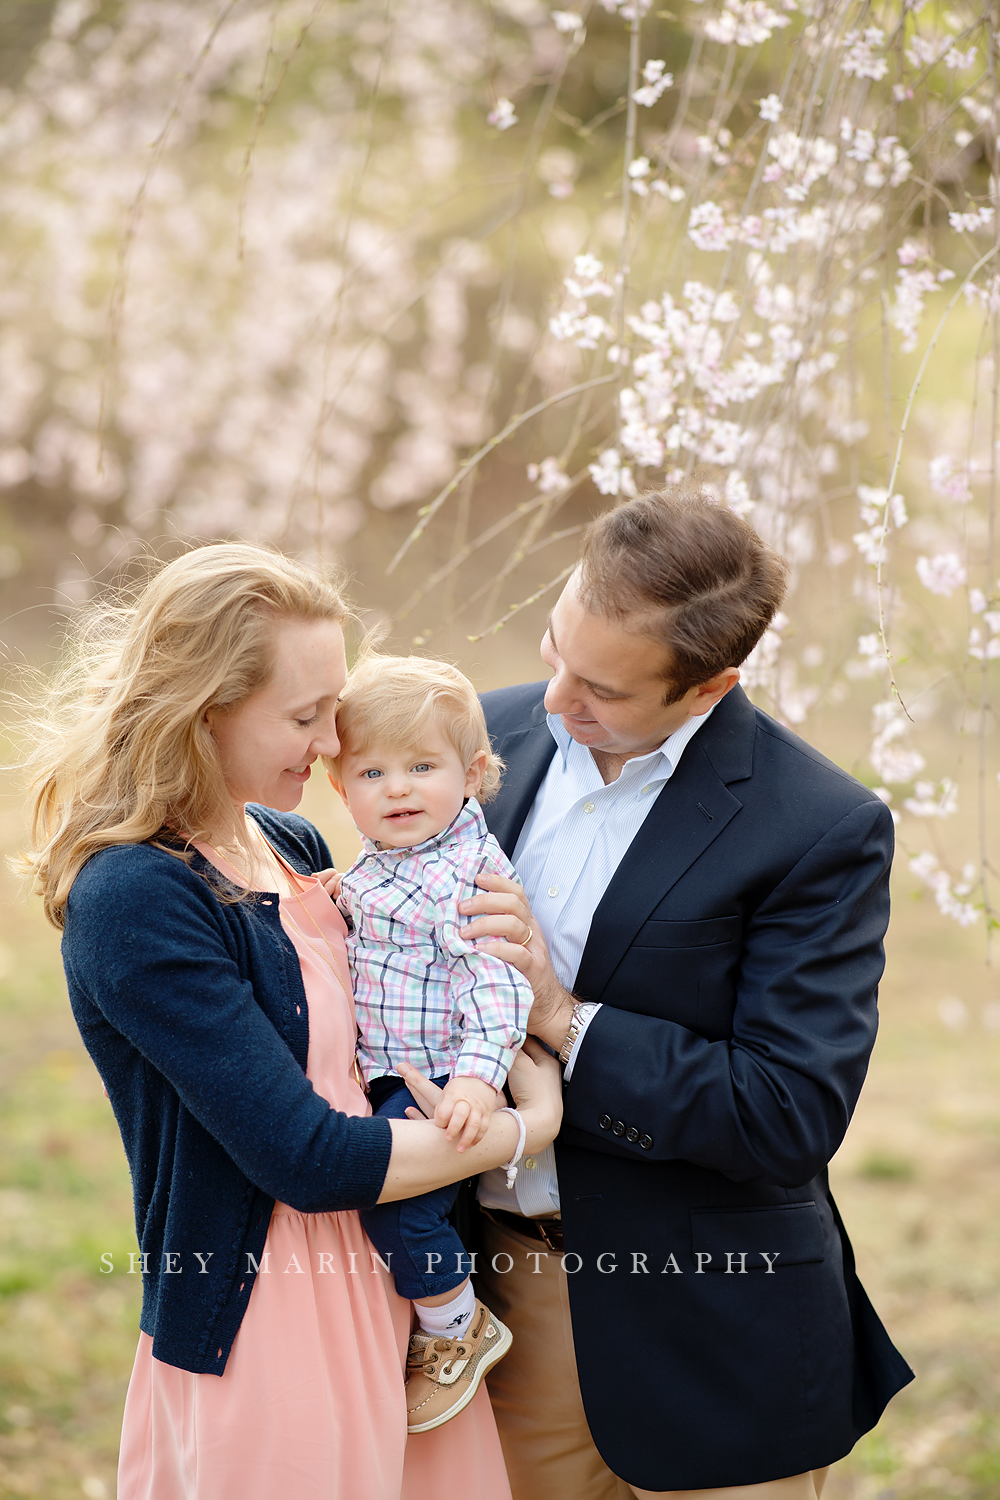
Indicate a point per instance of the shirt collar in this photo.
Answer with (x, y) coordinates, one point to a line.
(469, 823)
(670, 751)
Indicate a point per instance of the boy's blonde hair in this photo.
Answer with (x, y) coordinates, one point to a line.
(122, 751)
(390, 700)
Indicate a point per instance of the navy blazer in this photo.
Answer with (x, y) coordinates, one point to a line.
(723, 1337)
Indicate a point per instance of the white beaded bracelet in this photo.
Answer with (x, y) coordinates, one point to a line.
(510, 1167)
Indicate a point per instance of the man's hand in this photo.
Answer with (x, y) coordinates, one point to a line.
(503, 922)
(464, 1110)
(330, 881)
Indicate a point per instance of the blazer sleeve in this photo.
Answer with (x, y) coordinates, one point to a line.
(156, 963)
(773, 1103)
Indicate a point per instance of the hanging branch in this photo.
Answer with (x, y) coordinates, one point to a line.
(532, 599)
(263, 104)
(430, 511)
(119, 289)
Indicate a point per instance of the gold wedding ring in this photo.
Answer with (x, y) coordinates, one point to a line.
(527, 940)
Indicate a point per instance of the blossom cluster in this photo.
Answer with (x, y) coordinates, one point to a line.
(368, 243)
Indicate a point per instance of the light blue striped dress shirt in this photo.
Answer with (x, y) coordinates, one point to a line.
(572, 842)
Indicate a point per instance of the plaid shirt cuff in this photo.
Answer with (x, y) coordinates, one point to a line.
(484, 1060)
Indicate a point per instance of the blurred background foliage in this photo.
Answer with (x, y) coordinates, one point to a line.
(269, 271)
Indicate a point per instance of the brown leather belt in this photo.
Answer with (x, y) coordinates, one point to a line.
(549, 1231)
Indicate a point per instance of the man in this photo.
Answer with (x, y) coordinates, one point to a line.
(709, 897)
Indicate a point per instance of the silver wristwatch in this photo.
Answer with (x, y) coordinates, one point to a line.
(582, 1012)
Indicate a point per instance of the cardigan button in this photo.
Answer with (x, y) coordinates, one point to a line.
(645, 1141)
(605, 1122)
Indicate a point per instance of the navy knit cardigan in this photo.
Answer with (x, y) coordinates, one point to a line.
(194, 1013)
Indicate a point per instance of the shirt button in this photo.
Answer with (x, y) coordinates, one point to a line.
(588, 807)
(529, 1162)
(645, 790)
(553, 890)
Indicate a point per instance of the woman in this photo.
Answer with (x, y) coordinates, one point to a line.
(221, 1022)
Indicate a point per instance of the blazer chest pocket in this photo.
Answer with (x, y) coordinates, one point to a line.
(702, 934)
(788, 1234)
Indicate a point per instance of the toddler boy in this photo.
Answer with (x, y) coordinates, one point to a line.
(414, 756)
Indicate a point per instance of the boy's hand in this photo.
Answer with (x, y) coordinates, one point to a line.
(464, 1110)
(330, 881)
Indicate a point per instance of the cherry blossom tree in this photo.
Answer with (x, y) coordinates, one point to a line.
(280, 270)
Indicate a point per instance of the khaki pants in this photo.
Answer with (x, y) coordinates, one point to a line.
(535, 1392)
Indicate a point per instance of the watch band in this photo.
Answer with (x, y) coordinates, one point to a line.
(582, 1012)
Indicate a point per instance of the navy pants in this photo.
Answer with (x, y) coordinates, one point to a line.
(413, 1235)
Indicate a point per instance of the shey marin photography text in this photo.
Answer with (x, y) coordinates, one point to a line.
(634, 1263)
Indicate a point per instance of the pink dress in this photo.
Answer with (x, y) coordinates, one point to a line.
(311, 1405)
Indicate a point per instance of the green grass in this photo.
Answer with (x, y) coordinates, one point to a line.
(882, 1166)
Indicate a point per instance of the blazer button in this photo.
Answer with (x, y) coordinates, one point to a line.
(605, 1122)
(645, 1141)
(618, 1128)
(632, 1135)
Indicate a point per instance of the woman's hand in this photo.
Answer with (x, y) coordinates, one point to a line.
(535, 1081)
(427, 1094)
(423, 1159)
(442, 1105)
(504, 923)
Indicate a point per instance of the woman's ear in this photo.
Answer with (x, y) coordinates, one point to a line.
(474, 775)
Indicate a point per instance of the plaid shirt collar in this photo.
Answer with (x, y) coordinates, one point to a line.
(469, 823)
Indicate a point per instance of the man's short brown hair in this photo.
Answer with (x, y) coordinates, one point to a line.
(701, 577)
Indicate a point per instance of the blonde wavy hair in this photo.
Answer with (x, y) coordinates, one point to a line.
(390, 700)
(121, 750)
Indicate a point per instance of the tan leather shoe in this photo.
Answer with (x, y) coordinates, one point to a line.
(443, 1375)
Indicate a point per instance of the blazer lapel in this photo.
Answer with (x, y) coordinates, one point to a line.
(527, 753)
(687, 817)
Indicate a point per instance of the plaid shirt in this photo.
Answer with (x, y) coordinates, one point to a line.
(422, 994)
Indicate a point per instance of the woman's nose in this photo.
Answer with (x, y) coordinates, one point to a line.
(327, 743)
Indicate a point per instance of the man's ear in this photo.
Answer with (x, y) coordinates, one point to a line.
(709, 693)
(474, 775)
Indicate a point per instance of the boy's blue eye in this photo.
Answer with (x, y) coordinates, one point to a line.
(421, 766)
(370, 775)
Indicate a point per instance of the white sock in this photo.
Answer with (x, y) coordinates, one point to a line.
(449, 1320)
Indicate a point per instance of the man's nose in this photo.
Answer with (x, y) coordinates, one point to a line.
(561, 697)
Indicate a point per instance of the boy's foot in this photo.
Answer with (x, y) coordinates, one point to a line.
(443, 1375)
